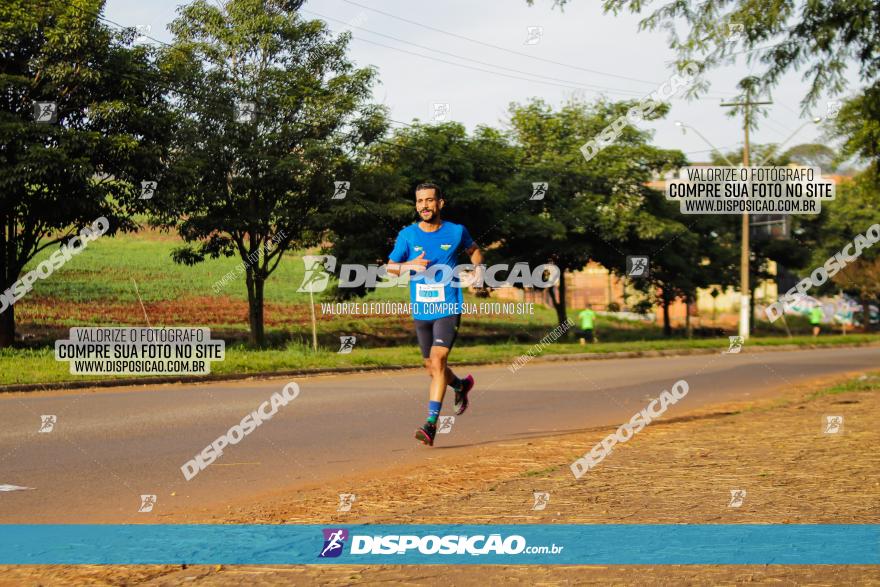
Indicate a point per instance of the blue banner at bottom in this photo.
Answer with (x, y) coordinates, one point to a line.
(530, 544)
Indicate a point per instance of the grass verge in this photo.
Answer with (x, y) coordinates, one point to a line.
(36, 366)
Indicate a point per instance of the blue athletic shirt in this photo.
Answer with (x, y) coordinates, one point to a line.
(429, 298)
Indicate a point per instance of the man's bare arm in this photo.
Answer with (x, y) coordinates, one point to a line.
(416, 265)
(476, 256)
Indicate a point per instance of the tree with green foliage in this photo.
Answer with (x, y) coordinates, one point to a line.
(855, 209)
(858, 126)
(813, 155)
(272, 115)
(857, 205)
(685, 252)
(473, 171)
(589, 206)
(823, 36)
(790, 251)
(760, 154)
(111, 127)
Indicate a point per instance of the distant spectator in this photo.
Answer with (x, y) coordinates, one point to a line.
(586, 317)
(816, 315)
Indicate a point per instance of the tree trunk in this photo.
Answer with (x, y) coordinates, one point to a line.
(687, 319)
(753, 322)
(255, 285)
(667, 325)
(7, 327)
(561, 313)
(7, 318)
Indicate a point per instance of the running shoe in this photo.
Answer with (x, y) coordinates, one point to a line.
(426, 433)
(461, 397)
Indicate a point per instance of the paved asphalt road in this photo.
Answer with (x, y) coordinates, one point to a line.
(110, 447)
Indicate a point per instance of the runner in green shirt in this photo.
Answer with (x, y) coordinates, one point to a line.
(586, 318)
(816, 315)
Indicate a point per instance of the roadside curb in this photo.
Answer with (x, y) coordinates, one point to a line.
(131, 382)
(699, 351)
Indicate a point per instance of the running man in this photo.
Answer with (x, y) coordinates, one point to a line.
(586, 317)
(421, 246)
(816, 315)
(334, 542)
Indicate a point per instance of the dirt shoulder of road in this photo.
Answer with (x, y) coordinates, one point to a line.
(679, 469)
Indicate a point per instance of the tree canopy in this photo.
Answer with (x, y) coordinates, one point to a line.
(106, 129)
(272, 113)
(822, 38)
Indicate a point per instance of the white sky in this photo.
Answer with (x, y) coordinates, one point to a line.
(581, 38)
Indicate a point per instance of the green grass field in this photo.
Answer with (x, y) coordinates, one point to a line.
(97, 287)
(19, 366)
(100, 286)
(104, 272)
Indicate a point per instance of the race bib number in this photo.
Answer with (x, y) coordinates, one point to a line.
(430, 292)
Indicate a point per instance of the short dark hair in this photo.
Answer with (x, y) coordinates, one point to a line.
(431, 186)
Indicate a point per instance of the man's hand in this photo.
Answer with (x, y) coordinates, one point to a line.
(474, 278)
(416, 265)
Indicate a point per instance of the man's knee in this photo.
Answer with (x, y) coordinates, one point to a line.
(437, 365)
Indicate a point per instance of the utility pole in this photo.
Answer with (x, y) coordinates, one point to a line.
(745, 306)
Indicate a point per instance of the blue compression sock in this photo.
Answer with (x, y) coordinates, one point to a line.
(434, 411)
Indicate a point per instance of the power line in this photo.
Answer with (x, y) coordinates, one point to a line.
(216, 100)
(489, 71)
(209, 99)
(256, 111)
(776, 127)
(577, 86)
(485, 44)
(712, 150)
(632, 95)
(520, 53)
(576, 83)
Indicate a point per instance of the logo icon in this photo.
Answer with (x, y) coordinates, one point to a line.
(440, 111)
(147, 503)
(542, 498)
(833, 425)
(317, 275)
(737, 497)
(45, 112)
(445, 247)
(47, 423)
(736, 344)
(539, 190)
(148, 189)
(143, 32)
(533, 35)
(832, 109)
(341, 189)
(244, 111)
(736, 31)
(346, 500)
(346, 344)
(637, 266)
(334, 541)
(444, 426)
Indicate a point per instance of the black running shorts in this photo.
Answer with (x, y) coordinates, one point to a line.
(439, 332)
